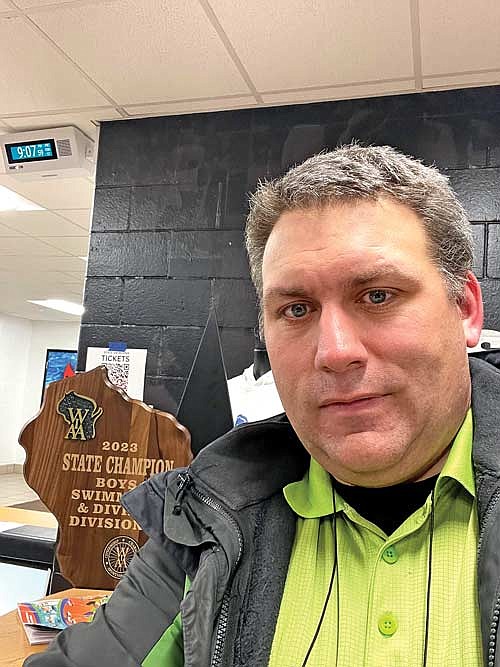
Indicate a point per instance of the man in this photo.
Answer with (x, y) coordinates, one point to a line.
(362, 528)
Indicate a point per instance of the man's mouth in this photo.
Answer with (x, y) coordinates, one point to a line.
(354, 403)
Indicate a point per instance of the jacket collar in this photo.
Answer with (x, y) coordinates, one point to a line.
(241, 468)
(486, 440)
(256, 460)
(237, 466)
(486, 413)
(251, 462)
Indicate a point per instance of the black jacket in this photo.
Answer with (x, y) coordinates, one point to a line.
(224, 523)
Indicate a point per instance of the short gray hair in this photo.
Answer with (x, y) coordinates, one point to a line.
(355, 172)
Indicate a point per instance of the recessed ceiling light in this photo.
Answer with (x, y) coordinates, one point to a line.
(11, 201)
(60, 304)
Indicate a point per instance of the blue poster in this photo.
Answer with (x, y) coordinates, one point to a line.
(59, 364)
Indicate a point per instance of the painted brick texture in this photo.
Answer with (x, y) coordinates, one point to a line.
(171, 200)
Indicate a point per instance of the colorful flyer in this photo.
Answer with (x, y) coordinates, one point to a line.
(60, 613)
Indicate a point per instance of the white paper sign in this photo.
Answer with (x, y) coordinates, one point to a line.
(125, 369)
(490, 339)
(19, 583)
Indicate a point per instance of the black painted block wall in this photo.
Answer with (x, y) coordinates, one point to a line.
(171, 200)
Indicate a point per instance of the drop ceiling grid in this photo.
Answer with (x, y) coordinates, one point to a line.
(76, 246)
(84, 120)
(37, 264)
(47, 4)
(292, 52)
(324, 94)
(176, 50)
(39, 224)
(459, 41)
(24, 284)
(462, 80)
(28, 246)
(15, 303)
(391, 21)
(70, 193)
(192, 106)
(53, 82)
(314, 44)
(78, 216)
(8, 231)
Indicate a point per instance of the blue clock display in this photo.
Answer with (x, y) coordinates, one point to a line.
(31, 151)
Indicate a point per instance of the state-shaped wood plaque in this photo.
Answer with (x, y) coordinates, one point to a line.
(89, 444)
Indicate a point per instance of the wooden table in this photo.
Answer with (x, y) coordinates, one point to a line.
(28, 517)
(14, 647)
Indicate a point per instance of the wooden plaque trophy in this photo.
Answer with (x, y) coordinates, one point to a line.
(89, 444)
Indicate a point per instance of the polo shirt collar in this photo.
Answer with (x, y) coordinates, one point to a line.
(311, 497)
(458, 465)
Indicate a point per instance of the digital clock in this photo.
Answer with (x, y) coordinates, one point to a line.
(31, 151)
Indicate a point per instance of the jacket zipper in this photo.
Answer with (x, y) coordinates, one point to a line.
(492, 638)
(185, 481)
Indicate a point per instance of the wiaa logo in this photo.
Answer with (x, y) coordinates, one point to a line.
(81, 413)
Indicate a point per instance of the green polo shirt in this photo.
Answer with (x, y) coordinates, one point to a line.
(382, 579)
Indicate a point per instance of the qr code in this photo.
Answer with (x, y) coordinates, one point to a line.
(118, 374)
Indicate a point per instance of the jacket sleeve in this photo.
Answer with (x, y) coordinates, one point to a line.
(139, 622)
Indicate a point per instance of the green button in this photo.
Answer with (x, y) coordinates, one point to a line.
(390, 555)
(387, 624)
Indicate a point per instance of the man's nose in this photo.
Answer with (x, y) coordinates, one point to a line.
(339, 344)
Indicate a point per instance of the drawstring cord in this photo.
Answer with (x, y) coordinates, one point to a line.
(335, 569)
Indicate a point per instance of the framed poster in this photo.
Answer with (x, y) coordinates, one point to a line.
(58, 365)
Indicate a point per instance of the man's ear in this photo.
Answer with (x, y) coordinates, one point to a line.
(471, 310)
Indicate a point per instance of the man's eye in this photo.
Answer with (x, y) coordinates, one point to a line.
(376, 296)
(296, 310)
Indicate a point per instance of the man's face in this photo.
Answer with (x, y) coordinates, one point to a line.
(367, 349)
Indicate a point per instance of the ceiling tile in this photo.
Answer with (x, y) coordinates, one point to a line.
(62, 291)
(79, 216)
(318, 43)
(176, 52)
(459, 39)
(37, 223)
(61, 264)
(74, 266)
(35, 4)
(27, 282)
(477, 79)
(192, 106)
(72, 283)
(38, 77)
(75, 275)
(27, 247)
(74, 245)
(76, 296)
(13, 263)
(7, 231)
(81, 119)
(55, 193)
(339, 92)
(18, 306)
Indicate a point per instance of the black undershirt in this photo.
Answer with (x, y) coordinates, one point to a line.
(387, 507)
